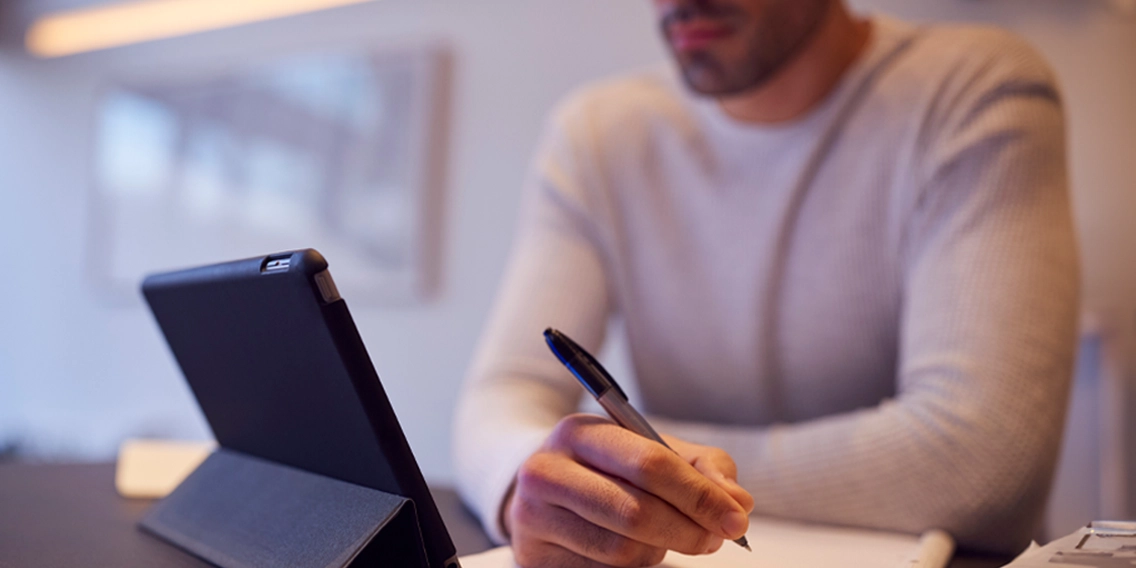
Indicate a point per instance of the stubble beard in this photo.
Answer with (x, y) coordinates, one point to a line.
(778, 37)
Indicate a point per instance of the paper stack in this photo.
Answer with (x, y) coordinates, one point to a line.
(1102, 544)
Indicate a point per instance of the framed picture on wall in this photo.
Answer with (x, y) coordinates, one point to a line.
(341, 152)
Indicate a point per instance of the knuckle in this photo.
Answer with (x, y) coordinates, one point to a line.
(651, 461)
(534, 475)
(705, 504)
(527, 476)
(566, 433)
(625, 552)
(633, 515)
(561, 436)
(523, 511)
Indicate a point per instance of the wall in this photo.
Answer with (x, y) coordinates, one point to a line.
(76, 376)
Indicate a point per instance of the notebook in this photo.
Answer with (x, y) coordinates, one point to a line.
(785, 544)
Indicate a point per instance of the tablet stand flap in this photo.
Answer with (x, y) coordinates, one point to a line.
(237, 511)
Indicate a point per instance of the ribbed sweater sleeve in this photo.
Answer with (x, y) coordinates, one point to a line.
(516, 391)
(987, 340)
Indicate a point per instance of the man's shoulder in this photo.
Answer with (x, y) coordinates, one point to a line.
(975, 55)
(626, 105)
(945, 75)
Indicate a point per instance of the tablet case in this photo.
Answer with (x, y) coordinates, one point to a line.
(277, 366)
(238, 511)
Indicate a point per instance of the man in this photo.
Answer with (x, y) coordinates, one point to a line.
(843, 256)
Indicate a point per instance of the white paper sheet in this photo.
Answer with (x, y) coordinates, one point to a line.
(782, 544)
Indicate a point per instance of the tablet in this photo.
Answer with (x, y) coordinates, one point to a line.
(276, 364)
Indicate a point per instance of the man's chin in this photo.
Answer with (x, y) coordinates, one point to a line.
(711, 84)
(708, 76)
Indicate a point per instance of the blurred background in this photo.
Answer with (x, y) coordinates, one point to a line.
(394, 136)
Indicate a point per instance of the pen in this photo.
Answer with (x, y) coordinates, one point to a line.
(607, 392)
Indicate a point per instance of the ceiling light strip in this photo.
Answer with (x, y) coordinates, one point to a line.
(89, 29)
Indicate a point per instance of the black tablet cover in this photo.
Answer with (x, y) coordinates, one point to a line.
(274, 359)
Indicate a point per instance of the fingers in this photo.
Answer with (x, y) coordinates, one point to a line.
(717, 466)
(709, 457)
(547, 555)
(589, 543)
(737, 492)
(656, 470)
(598, 495)
(611, 504)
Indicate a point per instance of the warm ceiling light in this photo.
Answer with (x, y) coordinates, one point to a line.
(88, 29)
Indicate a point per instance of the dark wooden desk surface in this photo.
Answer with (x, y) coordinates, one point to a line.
(70, 515)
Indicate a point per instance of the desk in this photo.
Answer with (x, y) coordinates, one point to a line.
(70, 515)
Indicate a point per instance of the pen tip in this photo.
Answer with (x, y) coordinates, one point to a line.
(742, 542)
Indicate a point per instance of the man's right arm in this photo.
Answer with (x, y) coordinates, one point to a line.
(574, 490)
(516, 391)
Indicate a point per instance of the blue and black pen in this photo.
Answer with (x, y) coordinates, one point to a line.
(607, 392)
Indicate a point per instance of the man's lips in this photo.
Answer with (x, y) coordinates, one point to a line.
(696, 34)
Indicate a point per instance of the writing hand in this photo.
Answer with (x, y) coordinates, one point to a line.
(596, 494)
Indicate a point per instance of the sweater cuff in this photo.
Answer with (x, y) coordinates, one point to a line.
(489, 495)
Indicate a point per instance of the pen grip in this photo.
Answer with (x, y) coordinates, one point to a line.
(625, 415)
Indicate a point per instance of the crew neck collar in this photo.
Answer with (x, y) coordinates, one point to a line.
(886, 32)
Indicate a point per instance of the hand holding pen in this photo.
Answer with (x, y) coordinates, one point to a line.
(596, 494)
(607, 392)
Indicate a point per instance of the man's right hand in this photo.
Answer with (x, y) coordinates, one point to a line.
(596, 494)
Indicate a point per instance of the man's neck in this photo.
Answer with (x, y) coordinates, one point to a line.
(809, 77)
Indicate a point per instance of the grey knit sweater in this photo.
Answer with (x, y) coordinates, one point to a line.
(872, 308)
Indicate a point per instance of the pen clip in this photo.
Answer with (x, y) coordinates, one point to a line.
(593, 362)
